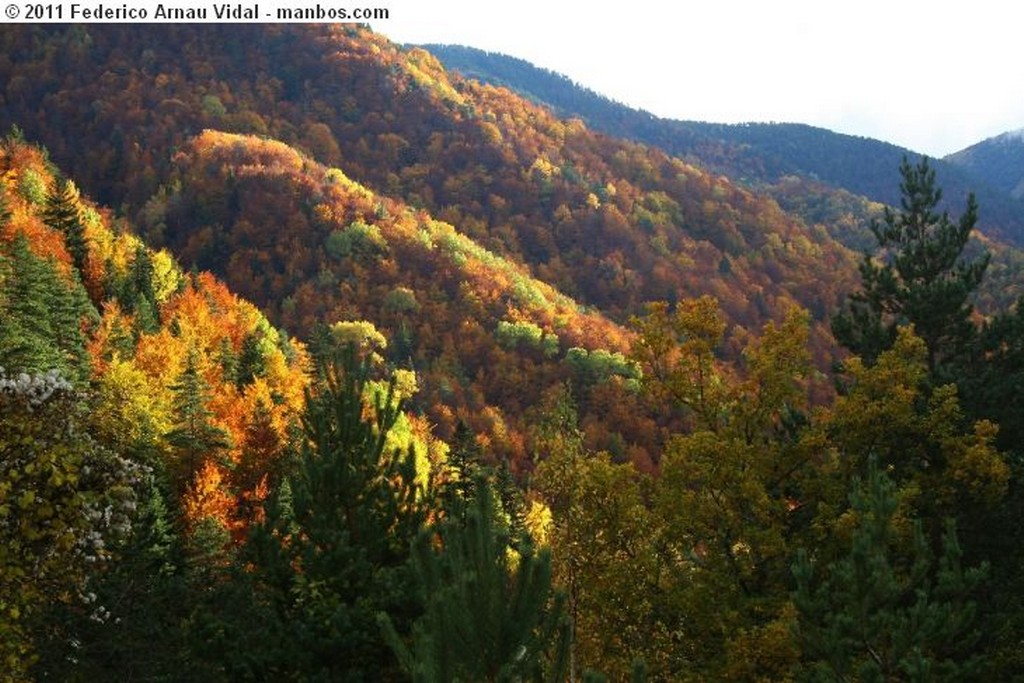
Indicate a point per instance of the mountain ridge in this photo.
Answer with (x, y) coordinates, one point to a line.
(399, 161)
(998, 161)
(756, 153)
(530, 201)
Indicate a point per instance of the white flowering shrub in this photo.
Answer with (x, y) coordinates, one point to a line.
(64, 503)
(31, 390)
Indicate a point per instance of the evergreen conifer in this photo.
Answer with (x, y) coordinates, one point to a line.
(63, 213)
(194, 435)
(485, 619)
(878, 613)
(920, 276)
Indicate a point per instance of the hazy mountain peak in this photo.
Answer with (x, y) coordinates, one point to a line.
(997, 161)
(756, 154)
(1012, 135)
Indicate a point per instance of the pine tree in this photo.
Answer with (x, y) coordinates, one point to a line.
(227, 359)
(71, 313)
(922, 277)
(464, 463)
(261, 451)
(403, 345)
(511, 500)
(139, 295)
(42, 315)
(26, 333)
(991, 381)
(251, 362)
(334, 549)
(194, 434)
(485, 620)
(63, 213)
(877, 613)
(142, 274)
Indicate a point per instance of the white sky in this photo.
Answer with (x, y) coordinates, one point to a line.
(931, 76)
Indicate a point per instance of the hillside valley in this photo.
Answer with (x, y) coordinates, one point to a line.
(321, 361)
(611, 224)
(762, 155)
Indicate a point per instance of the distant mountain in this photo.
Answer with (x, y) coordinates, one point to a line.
(758, 154)
(609, 223)
(999, 161)
(329, 176)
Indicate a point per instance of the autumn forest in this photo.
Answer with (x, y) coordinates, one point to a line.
(321, 362)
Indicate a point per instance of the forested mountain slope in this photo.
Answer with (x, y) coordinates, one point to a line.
(132, 393)
(485, 338)
(760, 154)
(241, 514)
(549, 208)
(997, 161)
(563, 404)
(610, 223)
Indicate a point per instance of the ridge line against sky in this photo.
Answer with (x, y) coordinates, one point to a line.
(933, 77)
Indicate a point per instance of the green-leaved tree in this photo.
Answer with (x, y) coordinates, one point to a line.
(63, 212)
(194, 435)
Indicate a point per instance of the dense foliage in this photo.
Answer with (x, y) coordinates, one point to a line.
(763, 154)
(609, 223)
(461, 472)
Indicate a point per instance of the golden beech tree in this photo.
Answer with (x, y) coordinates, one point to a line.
(206, 498)
(677, 352)
(604, 541)
(726, 494)
(918, 434)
